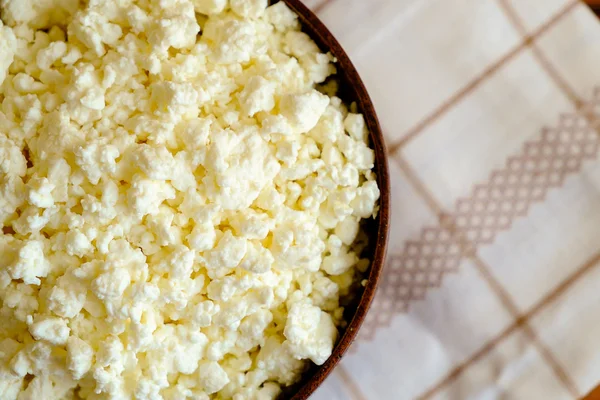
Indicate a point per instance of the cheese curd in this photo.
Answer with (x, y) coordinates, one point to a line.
(180, 204)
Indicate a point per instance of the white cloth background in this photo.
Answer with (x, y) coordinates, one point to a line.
(491, 111)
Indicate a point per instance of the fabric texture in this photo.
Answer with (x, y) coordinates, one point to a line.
(491, 113)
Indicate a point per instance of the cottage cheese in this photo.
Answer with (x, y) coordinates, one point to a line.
(179, 203)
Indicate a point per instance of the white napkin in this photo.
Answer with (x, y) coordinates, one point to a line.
(492, 115)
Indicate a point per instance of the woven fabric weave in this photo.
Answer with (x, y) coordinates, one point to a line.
(491, 112)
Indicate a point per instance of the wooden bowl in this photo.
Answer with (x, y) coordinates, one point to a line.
(351, 89)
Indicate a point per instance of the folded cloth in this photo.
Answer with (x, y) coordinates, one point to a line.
(491, 112)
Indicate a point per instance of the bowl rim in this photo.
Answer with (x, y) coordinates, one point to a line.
(317, 30)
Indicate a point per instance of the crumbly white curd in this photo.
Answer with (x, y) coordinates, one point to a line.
(179, 203)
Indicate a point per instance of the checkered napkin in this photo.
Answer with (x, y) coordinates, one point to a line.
(491, 112)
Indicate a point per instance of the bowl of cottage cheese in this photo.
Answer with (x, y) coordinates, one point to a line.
(194, 200)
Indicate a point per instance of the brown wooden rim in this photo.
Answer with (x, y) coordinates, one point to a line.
(346, 70)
